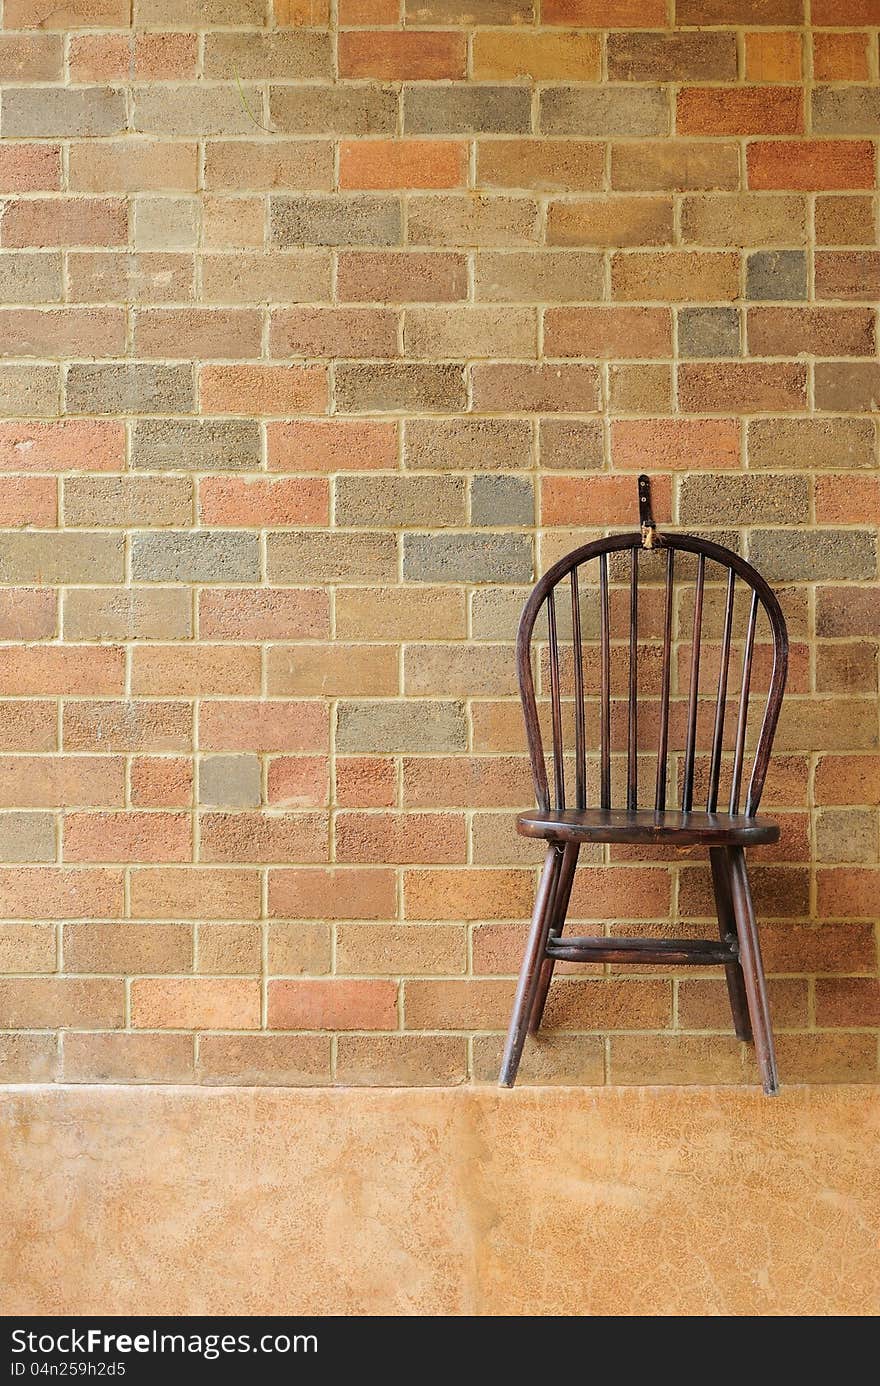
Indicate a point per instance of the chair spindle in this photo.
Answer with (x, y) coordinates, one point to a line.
(580, 739)
(605, 702)
(743, 714)
(687, 790)
(555, 703)
(663, 743)
(632, 727)
(721, 704)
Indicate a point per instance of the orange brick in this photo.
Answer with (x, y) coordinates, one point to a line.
(330, 446)
(838, 13)
(467, 782)
(678, 444)
(78, 14)
(400, 837)
(28, 613)
(173, 671)
(365, 781)
(848, 780)
(49, 221)
(190, 333)
(32, 892)
(195, 1003)
(739, 111)
(606, 14)
(161, 781)
(609, 1004)
(28, 726)
(773, 57)
(402, 164)
(262, 389)
(245, 837)
(237, 501)
(457, 1005)
(237, 613)
(298, 781)
(263, 726)
(403, 56)
(847, 892)
(812, 165)
(848, 1001)
(289, 1060)
(367, 13)
(128, 947)
(840, 57)
(757, 388)
(69, 669)
(604, 332)
(598, 500)
(86, 445)
(333, 332)
(129, 836)
(126, 726)
(29, 500)
(82, 1003)
(621, 893)
(468, 894)
(127, 1058)
(332, 1005)
(61, 781)
(346, 892)
(169, 892)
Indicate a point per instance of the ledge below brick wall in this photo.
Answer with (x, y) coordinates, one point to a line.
(376, 1202)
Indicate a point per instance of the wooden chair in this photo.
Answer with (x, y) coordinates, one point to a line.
(725, 834)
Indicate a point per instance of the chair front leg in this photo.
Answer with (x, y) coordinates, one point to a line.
(559, 907)
(753, 970)
(530, 971)
(736, 988)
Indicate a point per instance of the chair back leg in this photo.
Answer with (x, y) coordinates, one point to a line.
(753, 970)
(564, 883)
(736, 987)
(530, 973)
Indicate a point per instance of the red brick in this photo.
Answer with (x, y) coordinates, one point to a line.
(840, 57)
(847, 499)
(161, 781)
(298, 781)
(62, 670)
(365, 781)
(812, 165)
(757, 388)
(236, 502)
(838, 13)
(606, 14)
(72, 221)
(346, 892)
(258, 837)
(88, 445)
(262, 389)
(246, 613)
(30, 168)
(400, 837)
(598, 500)
(55, 892)
(263, 726)
(28, 500)
(129, 836)
(602, 332)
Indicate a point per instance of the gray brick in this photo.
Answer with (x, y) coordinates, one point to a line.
(55, 112)
(357, 109)
(201, 445)
(399, 502)
(745, 500)
(127, 502)
(29, 277)
(495, 612)
(229, 781)
(349, 558)
(796, 555)
(336, 220)
(542, 276)
(776, 274)
(708, 332)
(194, 110)
(50, 557)
(128, 613)
(401, 727)
(364, 389)
(467, 557)
(466, 110)
(285, 53)
(187, 556)
(31, 58)
(128, 387)
(467, 445)
(502, 500)
(604, 111)
(27, 837)
(29, 392)
(846, 110)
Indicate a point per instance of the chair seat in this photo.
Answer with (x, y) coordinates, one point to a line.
(671, 828)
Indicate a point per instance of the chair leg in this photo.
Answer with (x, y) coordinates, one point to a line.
(564, 883)
(736, 988)
(753, 970)
(531, 968)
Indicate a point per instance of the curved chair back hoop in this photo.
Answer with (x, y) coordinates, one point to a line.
(545, 595)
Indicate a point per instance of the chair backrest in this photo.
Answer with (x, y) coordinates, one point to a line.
(582, 674)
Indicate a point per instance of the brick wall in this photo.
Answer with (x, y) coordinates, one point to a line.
(321, 332)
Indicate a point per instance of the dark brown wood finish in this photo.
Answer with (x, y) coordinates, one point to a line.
(723, 834)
